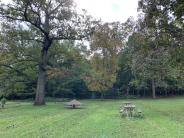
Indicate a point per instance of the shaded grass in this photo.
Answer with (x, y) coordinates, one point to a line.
(164, 118)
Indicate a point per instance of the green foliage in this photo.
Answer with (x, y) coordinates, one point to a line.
(178, 7)
(105, 45)
(124, 58)
(100, 79)
(154, 48)
(65, 68)
(125, 74)
(44, 22)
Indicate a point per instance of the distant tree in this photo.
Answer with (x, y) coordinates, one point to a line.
(66, 66)
(105, 44)
(125, 74)
(150, 62)
(163, 32)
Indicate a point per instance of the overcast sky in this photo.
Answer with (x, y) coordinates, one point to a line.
(108, 10)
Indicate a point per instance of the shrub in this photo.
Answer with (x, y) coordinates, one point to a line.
(3, 102)
(131, 97)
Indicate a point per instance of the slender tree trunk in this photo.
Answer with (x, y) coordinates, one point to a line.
(128, 90)
(165, 92)
(144, 93)
(102, 96)
(153, 89)
(138, 93)
(40, 91)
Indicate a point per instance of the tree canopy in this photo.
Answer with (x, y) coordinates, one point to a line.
(48, 49)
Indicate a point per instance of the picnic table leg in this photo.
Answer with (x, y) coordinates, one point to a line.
(73, 106)
(130, 113)
(126, 112)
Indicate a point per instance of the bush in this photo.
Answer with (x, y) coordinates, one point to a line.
(3, 102)
(53, 99)
(131, 97)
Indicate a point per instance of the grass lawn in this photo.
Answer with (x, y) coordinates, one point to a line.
(164, 118)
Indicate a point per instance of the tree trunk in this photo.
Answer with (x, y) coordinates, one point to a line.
(165, 92)
(73, 106)
(128, 90)
(93, 95)
(144, 93)
(153, 89)
(138, 93)
(102, 96)
(40, 91)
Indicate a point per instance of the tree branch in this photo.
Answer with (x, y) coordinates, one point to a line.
(32, 23)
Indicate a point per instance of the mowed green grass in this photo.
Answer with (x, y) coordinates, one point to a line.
(164, 118)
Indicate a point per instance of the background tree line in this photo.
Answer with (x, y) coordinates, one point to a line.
(39, 55)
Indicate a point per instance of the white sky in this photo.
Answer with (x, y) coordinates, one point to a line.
(108, 10)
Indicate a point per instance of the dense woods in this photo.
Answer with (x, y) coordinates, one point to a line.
(39, 54)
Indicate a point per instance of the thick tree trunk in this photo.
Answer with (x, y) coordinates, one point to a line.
(40, 91)
(153, 89)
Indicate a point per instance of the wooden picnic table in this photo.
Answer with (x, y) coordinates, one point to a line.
(73, 104)
(127, 108)
(124, 104)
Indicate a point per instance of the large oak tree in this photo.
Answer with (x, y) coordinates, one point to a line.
(46, 21)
